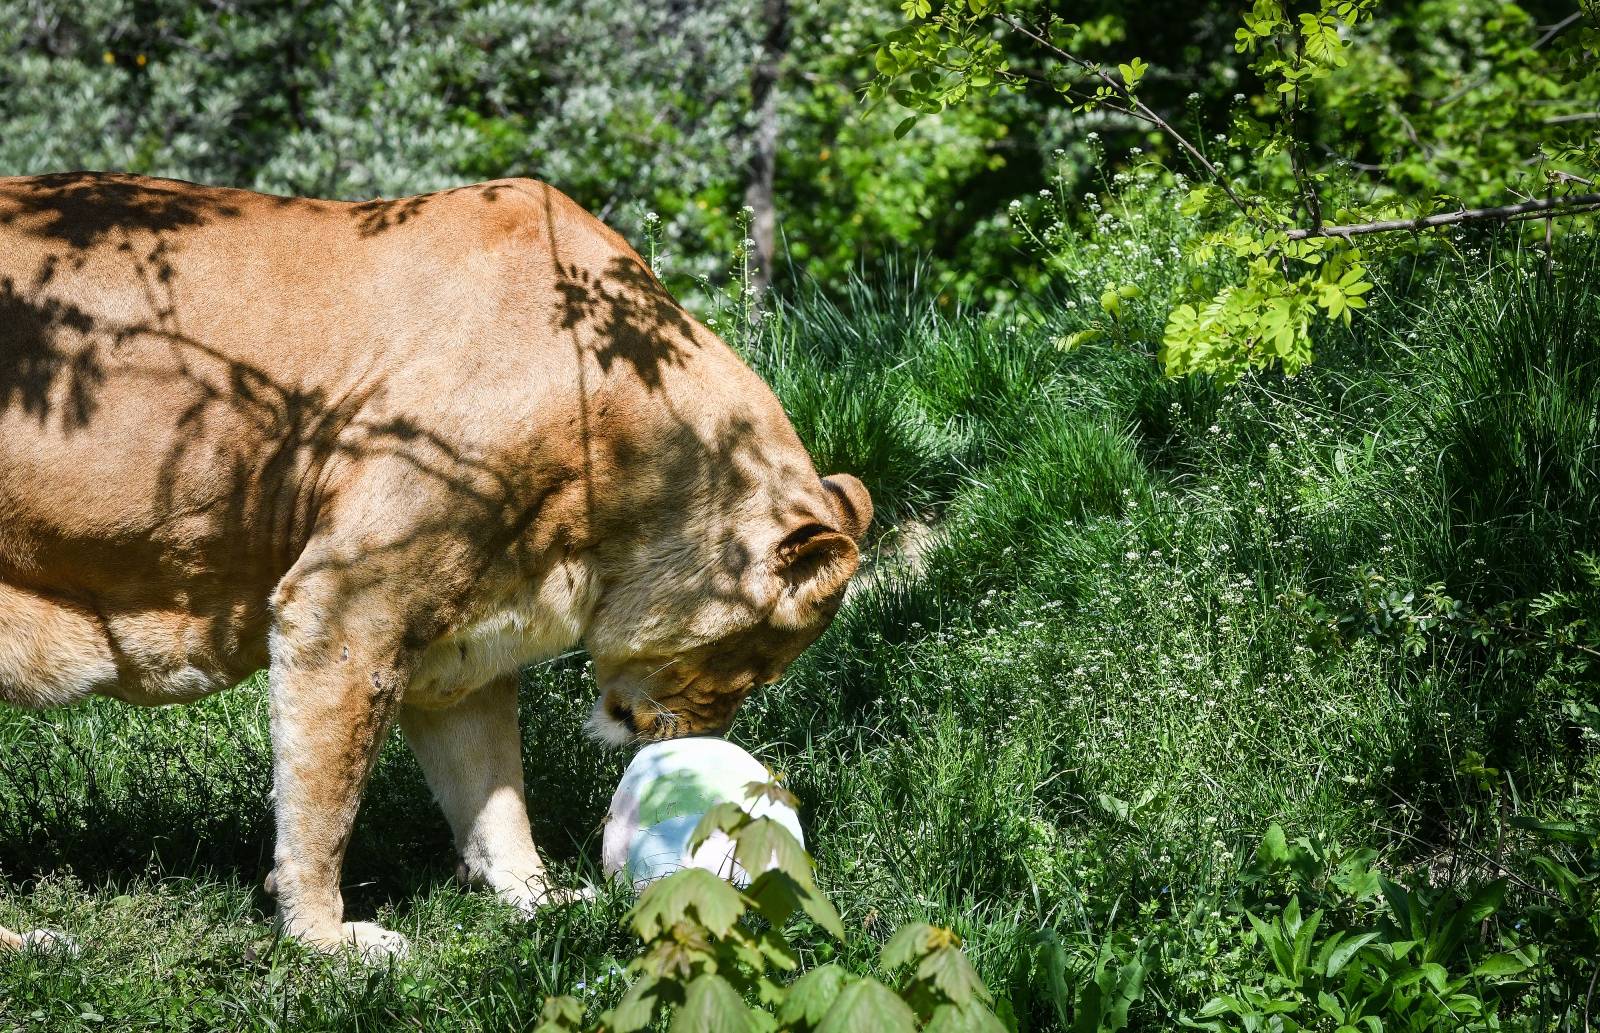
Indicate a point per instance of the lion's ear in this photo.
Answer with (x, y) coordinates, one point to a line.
(852, 506)
(813, 564)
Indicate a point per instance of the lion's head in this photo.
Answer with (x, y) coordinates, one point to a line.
(715, 612)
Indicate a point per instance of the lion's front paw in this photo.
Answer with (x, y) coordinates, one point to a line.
(531, 898)
(372, 942)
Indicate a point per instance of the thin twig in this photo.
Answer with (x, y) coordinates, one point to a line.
(1588, 998)
(1558, 28)
(1302, 179)
(1137, 106)
(1533, 636)
(1359, 166)
(1550, 242)
(1555, 30)
(1556, 206)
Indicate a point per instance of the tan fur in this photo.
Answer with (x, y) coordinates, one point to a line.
(392, 451)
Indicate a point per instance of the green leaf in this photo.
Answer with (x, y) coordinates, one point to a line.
(905, 126)
(1562, 831)
(909, 943)
(638, 1006)
(1076, 339)
(867, 1006)
(1486, 901)
(560, 1014)
(1303, 940)
(666, 902)
(810, 998)
(971, 1017)
(1120, 987)
(948, 969)
(777, 951)
(764, 844)
(1340, 956)
(712, 1005)
(1090, 1008)
(1501, 965)
(727, 818)
(1274, 848)
(776, 896)
(821, 911)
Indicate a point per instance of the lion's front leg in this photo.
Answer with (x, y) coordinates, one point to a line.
(336, 684)
(472, 757)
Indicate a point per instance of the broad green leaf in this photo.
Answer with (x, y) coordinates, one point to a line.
(1122, 987)
(724, 817)
(811, 996)
(821, 911)
(909, 943)
(1501, 965)
(867, 1006)
(1340, 957)
(1303, 940)
(953, 975)
(1274, 848)
(1486, 901)
(1435, 974)
(1563, 831)
(638, 1006)
(1090, 1008)
(776, 896)
(560, 1014)
(671, 900)
(971, 1017)
(777, 951)
(711, 1005)
(765, 844)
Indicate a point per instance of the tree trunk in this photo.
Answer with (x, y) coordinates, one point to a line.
(764, 143)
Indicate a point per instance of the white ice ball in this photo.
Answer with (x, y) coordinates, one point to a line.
(662, 797)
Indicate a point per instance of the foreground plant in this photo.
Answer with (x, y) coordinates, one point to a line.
(1374, 956)
(716, 957)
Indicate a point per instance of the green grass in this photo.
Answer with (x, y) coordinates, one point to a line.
(1071, 729)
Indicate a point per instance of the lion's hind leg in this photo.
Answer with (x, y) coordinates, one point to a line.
(38, 940)
(51, 652)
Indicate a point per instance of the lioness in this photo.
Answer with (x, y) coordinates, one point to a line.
(392, 451)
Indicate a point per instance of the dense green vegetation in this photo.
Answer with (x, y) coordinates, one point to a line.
(1162, 619)
(1249, 706)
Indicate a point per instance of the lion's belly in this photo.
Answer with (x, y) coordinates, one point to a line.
(169, 657)
(55, 650)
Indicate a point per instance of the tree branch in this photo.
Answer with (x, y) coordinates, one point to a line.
(1505, 213)
(1138, 107)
